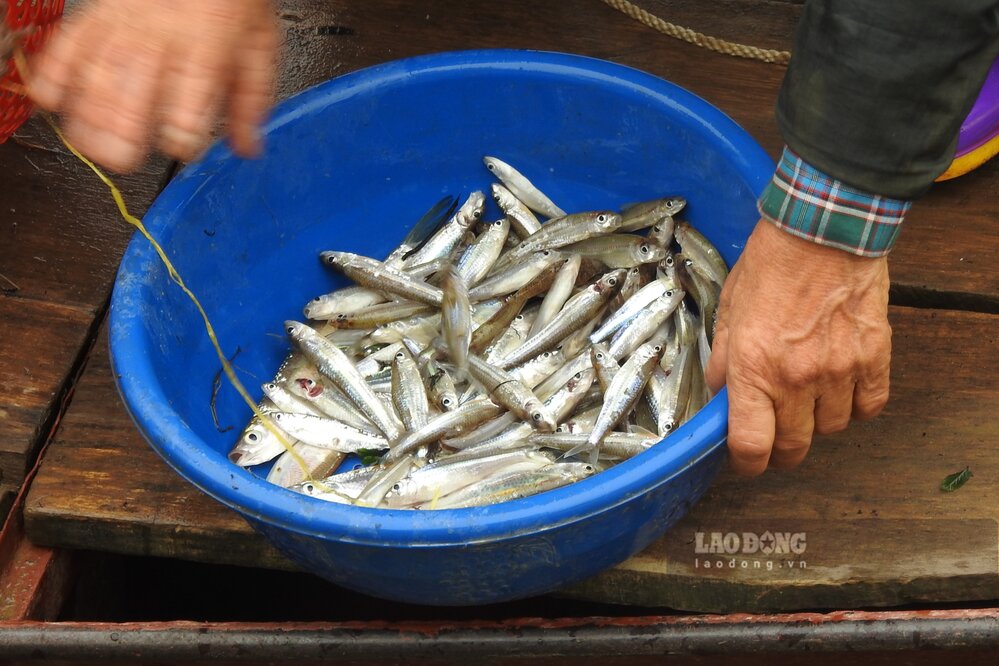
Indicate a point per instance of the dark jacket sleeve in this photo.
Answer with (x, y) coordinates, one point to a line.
(876, 90)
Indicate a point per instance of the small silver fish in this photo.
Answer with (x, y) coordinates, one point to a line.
(522, 188)
(522, 220)
(456, 318)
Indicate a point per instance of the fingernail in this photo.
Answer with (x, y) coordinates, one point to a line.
(181, 143)
(103, 146)
(120, 153)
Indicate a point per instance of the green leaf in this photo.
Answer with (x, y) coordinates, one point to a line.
(370, 456)
(954, 481)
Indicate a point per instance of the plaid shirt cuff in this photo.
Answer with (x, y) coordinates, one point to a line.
(807, 203)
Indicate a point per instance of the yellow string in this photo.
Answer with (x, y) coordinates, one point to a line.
(22, 66)
(175, 276)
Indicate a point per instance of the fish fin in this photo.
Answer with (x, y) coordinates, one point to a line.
(576, 450)
(431, 221)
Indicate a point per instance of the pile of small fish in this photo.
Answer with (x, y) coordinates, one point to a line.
(487, 361)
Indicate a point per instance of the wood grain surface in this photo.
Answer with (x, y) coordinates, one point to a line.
(877, 528)
(39, 345)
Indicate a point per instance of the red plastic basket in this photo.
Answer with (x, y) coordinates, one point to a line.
(40, 17)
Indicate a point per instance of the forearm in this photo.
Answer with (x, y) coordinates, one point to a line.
(875, 92)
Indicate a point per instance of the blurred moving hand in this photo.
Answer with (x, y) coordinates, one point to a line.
(803, 344)
(128, 74)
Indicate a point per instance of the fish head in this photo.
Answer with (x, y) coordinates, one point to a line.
(496, 166)
(310, 386)
(552, 358)
(649, 253)
(313, 305)
(541, 418)
(610, 282)
(649, 353)
(252, 446)
(294, 328)
(607, 220)
(503, 197)
(674, 205)
(471, 211)
(332, 258)
(600, 353)
(581, 381)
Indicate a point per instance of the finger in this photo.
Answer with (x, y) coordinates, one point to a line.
(793, 431)
(751, 424)
(871, 394)
(115, 107)
(82, 134)
(714, 374)
(55, 69)
(833, 409)
(253, 90)
(192, 96)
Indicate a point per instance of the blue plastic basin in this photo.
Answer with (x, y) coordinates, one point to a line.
(350, 164)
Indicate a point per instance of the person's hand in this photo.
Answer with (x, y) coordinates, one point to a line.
(803, 344)
(128, 73)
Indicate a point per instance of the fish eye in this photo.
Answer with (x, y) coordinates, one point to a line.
(668, 427)
(644, 249)
(490, 166)
(612, 281)
(600, 355)
(317, 299)
(546, 253)
(396, 487)
(290, 329)
(536, 416)
(635, 271)
(400, 355)
(477, 214)
(341, 317)
(519, 317)
(657, 348)
(252, 437)
(330, 259)
(561, 428)
(578, 375)
(669, 260)
(601, 218)
(309, 488)
(446, 401)
(669, 293)
(270, 385)
(588, 468)
(546, 355)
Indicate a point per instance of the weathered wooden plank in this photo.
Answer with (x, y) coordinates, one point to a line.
(39, 344)
(60, 234)
(152, 511)
(877, 528)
